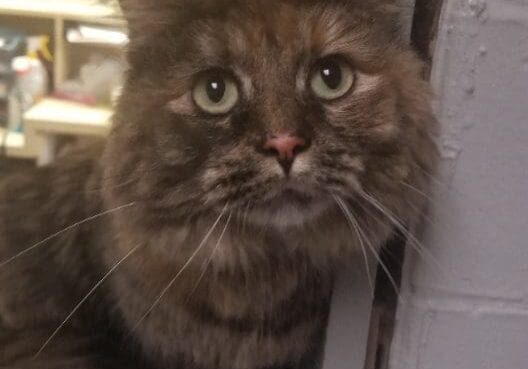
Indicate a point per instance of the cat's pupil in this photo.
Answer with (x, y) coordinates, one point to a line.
(331, 74)
(216, 89)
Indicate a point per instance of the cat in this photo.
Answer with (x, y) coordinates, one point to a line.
(256, 148)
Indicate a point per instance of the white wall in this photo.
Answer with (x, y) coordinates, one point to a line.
(474, 314)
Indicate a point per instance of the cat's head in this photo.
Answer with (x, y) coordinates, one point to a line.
(270, 108)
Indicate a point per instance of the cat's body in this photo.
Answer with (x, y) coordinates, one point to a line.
(257, 145)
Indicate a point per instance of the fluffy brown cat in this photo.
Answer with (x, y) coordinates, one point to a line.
(256, 146)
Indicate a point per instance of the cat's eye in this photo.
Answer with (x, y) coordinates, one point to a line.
(331, 79)
(216, 93)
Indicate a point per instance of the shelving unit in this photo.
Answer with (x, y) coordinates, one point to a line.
(81, 10)
(60, 12)
(15, 145)
(51, 117)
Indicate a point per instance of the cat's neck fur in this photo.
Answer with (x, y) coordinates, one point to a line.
(217, 315)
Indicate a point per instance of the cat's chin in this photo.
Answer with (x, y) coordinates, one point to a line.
(289, 208)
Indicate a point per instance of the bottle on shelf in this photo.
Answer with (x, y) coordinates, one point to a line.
(31, 82)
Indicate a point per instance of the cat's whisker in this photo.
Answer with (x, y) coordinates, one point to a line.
(182, 269)
(444, 229)
(427, 197)
(431, 218)
(353, 221)
(432, 177)
(408, 237)
(63, 231)
(211, 257)
(85, 298)
(105, 179)
(425, 217)
(340, 203)
(244, 219)
(114, 187)
(419, 192)
(446, 188)
(413, 240)
(420, 248)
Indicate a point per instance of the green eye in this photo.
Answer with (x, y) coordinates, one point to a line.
(216, 94)
(332, 79)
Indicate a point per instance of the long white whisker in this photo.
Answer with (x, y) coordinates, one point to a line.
(434, 224)
(69, 228)
(211, 257)
(86, 297)
(446, 187)
(340, 203)
(427, 218)
(244, 219)
(419, 192)
(411, 237)
(191, 258)
(114, 187)
(418, 247)
(437, 209)
(433, 178)
(356, 226)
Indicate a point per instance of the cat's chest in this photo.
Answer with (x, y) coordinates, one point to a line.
(220, 298)
(257, 324)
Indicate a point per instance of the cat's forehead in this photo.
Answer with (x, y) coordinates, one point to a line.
(282, 32)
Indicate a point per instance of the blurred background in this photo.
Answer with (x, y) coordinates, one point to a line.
(61, 68)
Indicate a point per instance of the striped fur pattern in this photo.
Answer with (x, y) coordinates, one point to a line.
(189, 249)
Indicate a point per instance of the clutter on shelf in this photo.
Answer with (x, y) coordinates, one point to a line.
(25, 68)
(84, 34)
(12, 44)
(98, 82)
(46, 96)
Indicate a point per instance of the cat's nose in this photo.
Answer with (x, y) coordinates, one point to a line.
(286, 148)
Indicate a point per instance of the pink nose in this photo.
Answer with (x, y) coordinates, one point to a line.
(286, 147)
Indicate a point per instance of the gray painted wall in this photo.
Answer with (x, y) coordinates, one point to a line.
(350, 320)
(473, 314)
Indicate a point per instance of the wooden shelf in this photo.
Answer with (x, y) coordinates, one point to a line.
(15, 145)
(68, 118)
(75, 10)
(51, 118)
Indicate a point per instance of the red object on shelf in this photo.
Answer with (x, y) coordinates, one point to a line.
(78, 98)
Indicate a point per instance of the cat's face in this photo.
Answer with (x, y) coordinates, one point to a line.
(268, 107)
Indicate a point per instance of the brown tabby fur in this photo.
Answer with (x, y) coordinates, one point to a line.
(256, 294)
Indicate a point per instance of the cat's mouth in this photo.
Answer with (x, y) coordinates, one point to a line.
(290, 204)
(291, 192)
(292, 196)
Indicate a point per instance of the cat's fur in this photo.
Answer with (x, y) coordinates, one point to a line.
(256, 294)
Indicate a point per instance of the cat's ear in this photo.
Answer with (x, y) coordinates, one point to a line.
(149, 16)
(391, 14)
